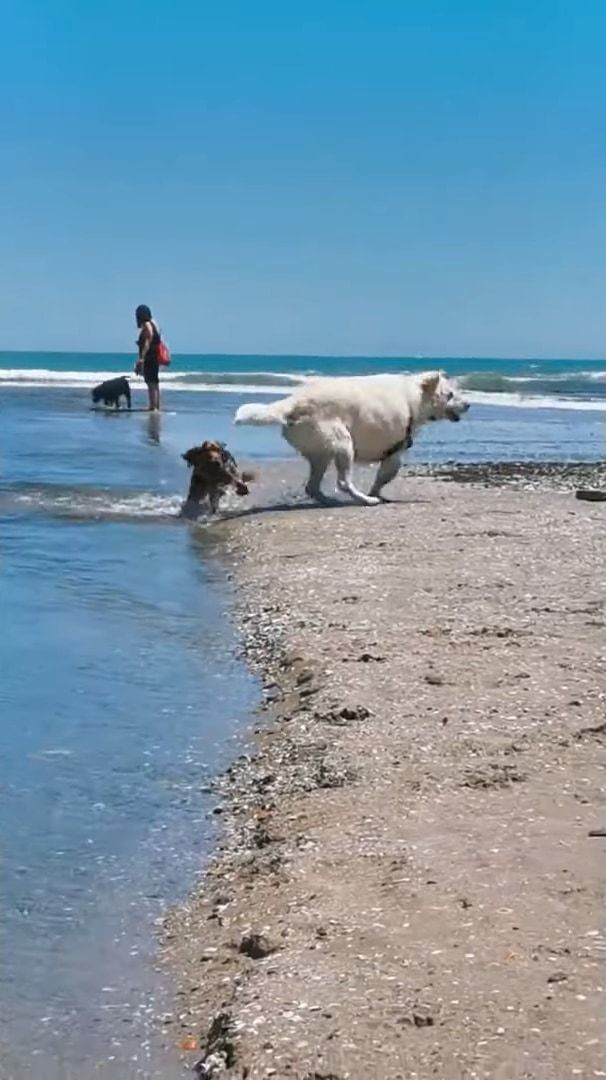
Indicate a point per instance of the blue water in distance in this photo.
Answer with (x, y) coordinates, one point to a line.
(544, 381)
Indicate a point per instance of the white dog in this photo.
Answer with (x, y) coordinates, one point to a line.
(366, 418)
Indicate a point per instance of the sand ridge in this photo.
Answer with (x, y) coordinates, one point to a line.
(406, 885)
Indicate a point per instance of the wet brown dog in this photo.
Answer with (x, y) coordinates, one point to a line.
(215, 470)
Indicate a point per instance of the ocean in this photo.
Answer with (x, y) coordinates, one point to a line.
(122, 691)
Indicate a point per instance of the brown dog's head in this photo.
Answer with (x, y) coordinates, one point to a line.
(201, 457)
(213, 462)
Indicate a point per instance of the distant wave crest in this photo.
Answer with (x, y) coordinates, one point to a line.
(537, 401)
(495, 383)
(234, 382)
(585, 390)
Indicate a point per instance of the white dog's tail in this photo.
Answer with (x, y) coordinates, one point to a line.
(274, 413)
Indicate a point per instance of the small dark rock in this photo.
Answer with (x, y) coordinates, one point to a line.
(322, 1076)
(266, 780)
(558, 976)
(422, 1019)
(307, 691)
(597, 730)
(218, 1045)
(357, 712)
(261, 837)
(341, 717)
(434, 680)
(256, 946)
(325, 776)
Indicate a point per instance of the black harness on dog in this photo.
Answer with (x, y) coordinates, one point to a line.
(403, 444)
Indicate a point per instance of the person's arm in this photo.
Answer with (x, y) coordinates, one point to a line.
(145, 341)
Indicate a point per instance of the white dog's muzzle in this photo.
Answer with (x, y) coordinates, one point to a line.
(455, 411)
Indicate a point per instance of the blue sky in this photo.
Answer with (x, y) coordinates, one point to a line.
(351, 176)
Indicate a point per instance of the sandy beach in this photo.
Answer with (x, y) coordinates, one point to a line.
(406, 883)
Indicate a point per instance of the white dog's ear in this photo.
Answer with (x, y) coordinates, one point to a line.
(429, 383)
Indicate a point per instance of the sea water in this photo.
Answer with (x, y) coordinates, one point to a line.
(121, 693)
(121, 690)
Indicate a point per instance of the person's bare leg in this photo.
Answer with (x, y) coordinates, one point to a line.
(153, 395)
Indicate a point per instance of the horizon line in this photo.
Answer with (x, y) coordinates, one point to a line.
(310, 356)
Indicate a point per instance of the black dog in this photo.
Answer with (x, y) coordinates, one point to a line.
(110, 392)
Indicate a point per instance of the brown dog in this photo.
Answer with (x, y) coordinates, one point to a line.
(214, 471)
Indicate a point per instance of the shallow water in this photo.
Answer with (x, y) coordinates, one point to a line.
(121, 693)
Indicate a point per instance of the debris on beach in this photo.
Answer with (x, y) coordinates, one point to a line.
(393, 892)
(256, 946)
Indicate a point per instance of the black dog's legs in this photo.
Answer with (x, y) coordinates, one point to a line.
(127, 396)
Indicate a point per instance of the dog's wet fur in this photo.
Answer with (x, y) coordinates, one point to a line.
(214, 471)
(342, 420)
(110, 392)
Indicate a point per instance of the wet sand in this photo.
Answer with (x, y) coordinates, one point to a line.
(406, 884)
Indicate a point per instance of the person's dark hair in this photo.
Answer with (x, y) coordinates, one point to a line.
(142, 314)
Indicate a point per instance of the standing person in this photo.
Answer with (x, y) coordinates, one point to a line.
(148, 363)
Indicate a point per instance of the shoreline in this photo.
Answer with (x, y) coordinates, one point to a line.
(403, 884)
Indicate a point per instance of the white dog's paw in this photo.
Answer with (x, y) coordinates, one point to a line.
(358, 496)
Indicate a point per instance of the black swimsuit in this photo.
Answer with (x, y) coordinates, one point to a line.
(151, 367)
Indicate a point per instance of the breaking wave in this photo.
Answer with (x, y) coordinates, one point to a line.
(235, 382)
(571, 382)
(536, 401)
(541, 389)
(87, 504)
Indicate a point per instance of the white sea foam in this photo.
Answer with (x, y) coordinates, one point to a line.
(536, 401)
(98, 506)
(224, 382)
(279, 383)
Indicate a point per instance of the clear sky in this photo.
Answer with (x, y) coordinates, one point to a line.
(310, 176)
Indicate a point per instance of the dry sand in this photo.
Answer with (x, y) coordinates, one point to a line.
(406, 885)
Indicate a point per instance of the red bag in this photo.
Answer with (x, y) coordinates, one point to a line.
(163, 354)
